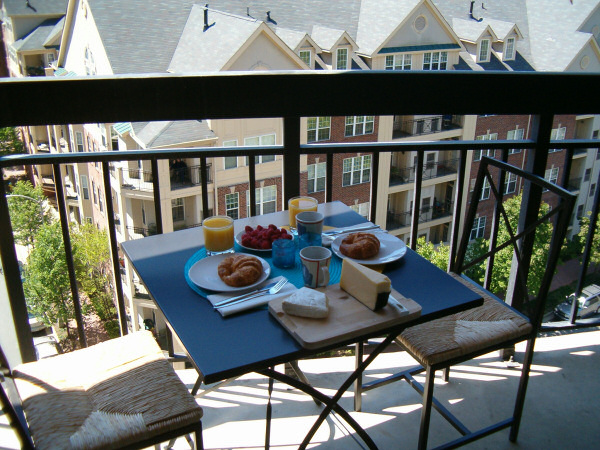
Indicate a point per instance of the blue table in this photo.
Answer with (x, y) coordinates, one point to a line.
(221, 348)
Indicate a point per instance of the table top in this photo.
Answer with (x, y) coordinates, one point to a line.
(224, 347)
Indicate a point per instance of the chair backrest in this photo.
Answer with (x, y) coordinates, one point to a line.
(518, 240)
(11, 403)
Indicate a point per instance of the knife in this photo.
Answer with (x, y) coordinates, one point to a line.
(350, 230)
(244, 296)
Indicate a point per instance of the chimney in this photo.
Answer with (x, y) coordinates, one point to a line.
(206, 15)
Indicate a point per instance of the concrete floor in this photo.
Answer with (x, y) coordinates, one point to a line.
(562, 408)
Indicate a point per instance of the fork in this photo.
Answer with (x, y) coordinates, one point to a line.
(242, 298)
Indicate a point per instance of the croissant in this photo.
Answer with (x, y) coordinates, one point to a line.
(360, 245)
(240, 270)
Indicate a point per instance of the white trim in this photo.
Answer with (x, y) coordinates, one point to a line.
(511, 56)
(487, 56)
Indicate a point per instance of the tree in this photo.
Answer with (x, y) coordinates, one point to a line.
(10, 143)
(584, 229)
(27, 212)
(47, 287)
(439, 255)
(93, 269)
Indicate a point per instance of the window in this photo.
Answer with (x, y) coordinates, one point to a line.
(362, 209)
(356, 170)
(94, 193)
(509, 49)
(84, 187)
(557, 134)
(100, 200)
(256, 141)
(480, 153)
(510, 183)
(79, 141)
(88, 61)
(478, 229)
(230, 162)
(318, 129)
(266, 200)
(551, 175)
(580, 211)
(305, 56)
(592, 189)
(342, 59)
(435, 60)
(177, 209)
(232, 204)
(357, 125)
(316, 177)
(587, 174)
(485, 190)
(398, 62)
(515, 135)
(484, 50)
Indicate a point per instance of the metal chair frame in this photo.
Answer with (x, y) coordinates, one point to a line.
(562, 214)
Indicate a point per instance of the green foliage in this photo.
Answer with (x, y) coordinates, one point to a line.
(475, 249)
(439, 255)
(27, 214)
(10, 143)
(93, 269)
(583, 232)
(46, 285)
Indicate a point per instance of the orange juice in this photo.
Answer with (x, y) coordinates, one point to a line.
(218, 234)
(300, 204)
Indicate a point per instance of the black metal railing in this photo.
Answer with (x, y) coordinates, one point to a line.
(396, 220)
(404, 175)
(231, 96)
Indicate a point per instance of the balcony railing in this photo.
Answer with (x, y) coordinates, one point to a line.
(234, 96)
(188, 177)
(396, 220)
(428, 125)
(404, 175)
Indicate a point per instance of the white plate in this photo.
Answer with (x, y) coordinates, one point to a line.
(391, 249)
(238, 239)
(204, 274)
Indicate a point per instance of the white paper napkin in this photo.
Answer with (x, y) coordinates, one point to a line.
(285, 291)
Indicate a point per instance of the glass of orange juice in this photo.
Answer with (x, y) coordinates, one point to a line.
(218, 235)
(300, 204)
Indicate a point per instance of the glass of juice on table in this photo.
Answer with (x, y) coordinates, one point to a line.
(300, 204)
(218, 235)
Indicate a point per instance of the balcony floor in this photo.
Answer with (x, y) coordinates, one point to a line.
(562, 408)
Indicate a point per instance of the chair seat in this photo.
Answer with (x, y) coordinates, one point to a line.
(466, 332)
(109, 395)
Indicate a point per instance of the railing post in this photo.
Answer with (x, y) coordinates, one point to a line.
(291, 158)
(460, 187)
(416, 201)
(114, 250)
(537, 158)
(156, 189)
(64, 222)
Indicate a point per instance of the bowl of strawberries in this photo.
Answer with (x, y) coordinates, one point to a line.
(260, 239)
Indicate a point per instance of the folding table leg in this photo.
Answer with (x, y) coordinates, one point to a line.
(426, 412)
(358, 383)
(518, 412)
(302, 377)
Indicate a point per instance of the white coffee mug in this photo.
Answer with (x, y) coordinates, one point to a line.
(315, 266)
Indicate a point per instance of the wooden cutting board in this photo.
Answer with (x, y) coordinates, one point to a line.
(347, 318)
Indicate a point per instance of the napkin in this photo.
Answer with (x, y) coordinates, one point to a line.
(285, 291)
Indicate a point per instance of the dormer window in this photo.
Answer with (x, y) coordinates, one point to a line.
(398, 62)
(484, 50)
(342, 59)
(305, 56)
(509, 49)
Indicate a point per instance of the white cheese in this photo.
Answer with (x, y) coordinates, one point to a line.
(366, 285)
(306, 302)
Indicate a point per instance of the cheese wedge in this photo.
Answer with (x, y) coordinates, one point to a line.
(306, 302)
(367, 286)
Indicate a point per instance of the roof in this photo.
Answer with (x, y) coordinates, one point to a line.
(35, 7)
(40, 37)
(140, 36)
(326, 37)
(208, 50)
(291, 38)
(165, 133)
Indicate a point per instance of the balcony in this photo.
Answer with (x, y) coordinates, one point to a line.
(426, 214)
(574, 184)
(404, 175)
(244, 98)
(185, 177)
(428, 125)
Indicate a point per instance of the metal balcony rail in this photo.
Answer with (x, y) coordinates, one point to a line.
(396, 220)
(235, 95)
(404, 175)
(185, 177)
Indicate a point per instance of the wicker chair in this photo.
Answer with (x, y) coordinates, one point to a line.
(122, 393)
(495, 325)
